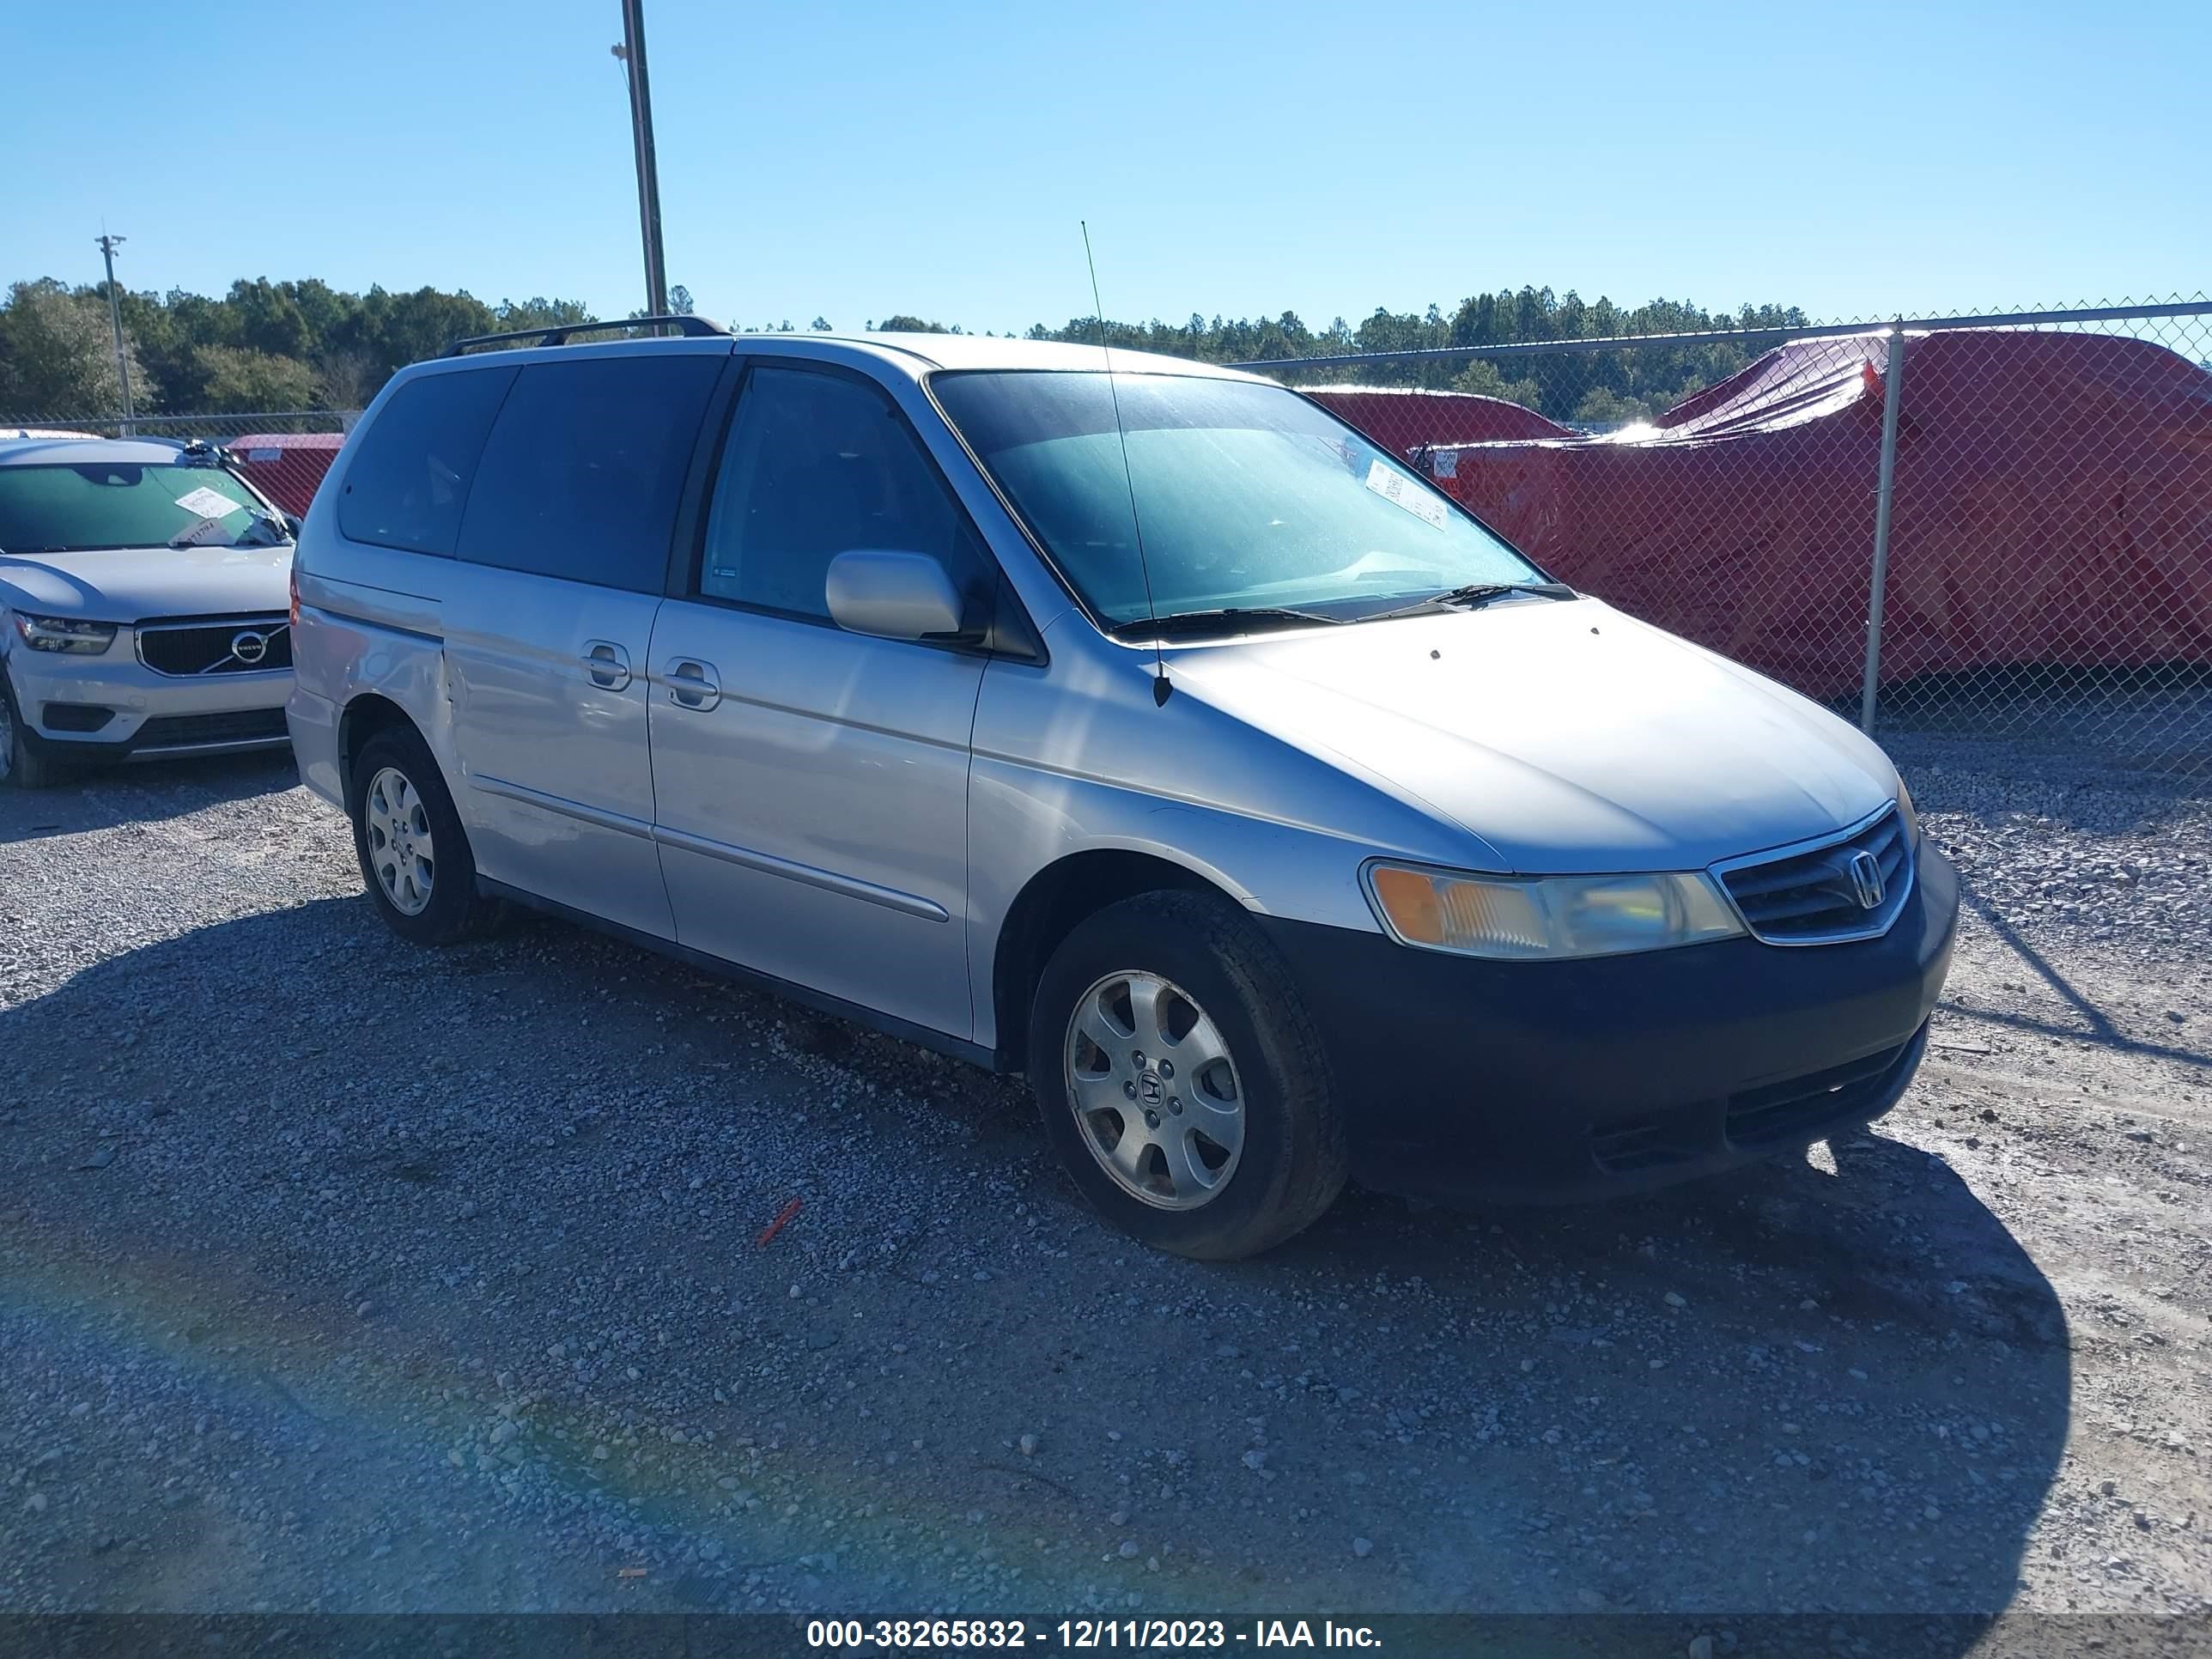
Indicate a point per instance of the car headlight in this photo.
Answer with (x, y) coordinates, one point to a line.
(65, 634)
(1551, 916)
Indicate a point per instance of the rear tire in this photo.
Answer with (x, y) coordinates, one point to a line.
(24, 761)
(414, 855)
(1174, 1006)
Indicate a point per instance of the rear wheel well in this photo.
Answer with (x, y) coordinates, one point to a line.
(1048, 909)
(364, 717)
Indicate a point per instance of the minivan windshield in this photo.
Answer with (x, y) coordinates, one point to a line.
(75, 507)
(1251, 499)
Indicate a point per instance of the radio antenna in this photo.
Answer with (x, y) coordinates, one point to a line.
(1160, 686)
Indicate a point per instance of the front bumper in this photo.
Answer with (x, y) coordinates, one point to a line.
(113, 707)
(1464, 1078)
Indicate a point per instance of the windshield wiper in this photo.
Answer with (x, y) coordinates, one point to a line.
(1182, 622)
(1474, 595)
(273, 531)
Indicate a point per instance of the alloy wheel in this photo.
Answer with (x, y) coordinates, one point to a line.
(400, 849)
(1154, 1090)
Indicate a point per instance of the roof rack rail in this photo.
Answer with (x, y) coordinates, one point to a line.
(559, 333)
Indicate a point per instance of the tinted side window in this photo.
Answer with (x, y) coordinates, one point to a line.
(406, 485)
(580, 477)
(816, 465)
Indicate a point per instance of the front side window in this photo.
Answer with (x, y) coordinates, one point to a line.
(70, 509)
(818, 465)
(1246, 495)
(580, 475)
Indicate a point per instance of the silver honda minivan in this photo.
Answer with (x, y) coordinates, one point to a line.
(1127, 722)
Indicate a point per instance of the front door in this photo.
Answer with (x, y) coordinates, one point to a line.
(811, 785)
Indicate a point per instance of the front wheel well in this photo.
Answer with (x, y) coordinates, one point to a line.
(1048, 909)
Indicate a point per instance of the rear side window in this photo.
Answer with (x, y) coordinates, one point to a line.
(816, 465)
(581, 476)
(406, 485)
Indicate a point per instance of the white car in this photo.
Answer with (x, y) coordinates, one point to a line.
(145, 606)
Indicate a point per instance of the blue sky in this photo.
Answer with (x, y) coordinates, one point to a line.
(852, 160)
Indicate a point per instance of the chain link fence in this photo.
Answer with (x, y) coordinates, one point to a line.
(1988, 538)
(215, 427)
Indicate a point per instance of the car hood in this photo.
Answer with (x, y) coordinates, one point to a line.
(124, 584)
(1564, 735)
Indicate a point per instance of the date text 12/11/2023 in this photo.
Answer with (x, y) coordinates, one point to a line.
(893, 1634)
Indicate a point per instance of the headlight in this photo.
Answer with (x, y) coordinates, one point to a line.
(65, 634)
(1547, 917)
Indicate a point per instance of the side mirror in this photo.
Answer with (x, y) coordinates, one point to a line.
(892, 596)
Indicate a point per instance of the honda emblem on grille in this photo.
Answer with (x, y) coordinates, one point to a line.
(250, 646)
(1865, 872)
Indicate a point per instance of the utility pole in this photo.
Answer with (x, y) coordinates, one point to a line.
(632, 53)
(107, 246)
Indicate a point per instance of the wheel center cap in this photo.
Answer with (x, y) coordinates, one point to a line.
(1149, 1090)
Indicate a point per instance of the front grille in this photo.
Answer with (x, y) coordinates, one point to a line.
(221, 645)
(1653, 1140)
(1782, 1110)
(1813, 897)
(184, 730)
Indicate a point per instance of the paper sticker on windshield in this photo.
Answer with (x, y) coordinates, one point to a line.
(207, 503)
(1397, 487)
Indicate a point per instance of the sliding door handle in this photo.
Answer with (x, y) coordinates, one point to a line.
(607, 663)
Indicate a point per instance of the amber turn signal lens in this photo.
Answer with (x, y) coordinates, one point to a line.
(1409, 898)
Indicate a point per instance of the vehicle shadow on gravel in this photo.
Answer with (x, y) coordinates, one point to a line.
(1839, 1374)
(1842, 1389)
(142, 792)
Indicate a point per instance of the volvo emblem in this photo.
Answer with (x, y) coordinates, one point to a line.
(249, 646)
(1865, 872)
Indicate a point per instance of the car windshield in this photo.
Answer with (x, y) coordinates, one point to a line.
(72, 508)
(1249, 497)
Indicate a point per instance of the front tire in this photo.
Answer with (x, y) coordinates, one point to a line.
(414, 856)
(1181, 1079)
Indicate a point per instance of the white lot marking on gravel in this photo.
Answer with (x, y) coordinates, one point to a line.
(396, 1246)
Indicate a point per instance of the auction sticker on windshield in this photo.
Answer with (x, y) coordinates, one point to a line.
(1397, 487)
(208, 503)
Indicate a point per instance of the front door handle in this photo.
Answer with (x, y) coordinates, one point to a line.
(692, 683)
(607, 663)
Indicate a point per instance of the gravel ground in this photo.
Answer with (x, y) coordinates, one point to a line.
(336, 1275)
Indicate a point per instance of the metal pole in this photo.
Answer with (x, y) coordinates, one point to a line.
(107, 246)
(1893, 385)
(649, 173)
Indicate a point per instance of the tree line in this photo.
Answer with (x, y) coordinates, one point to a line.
(290, 345)
(1586, 388)
(264, 345)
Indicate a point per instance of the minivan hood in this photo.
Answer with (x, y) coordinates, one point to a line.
(1564, 735)
(124, 584)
